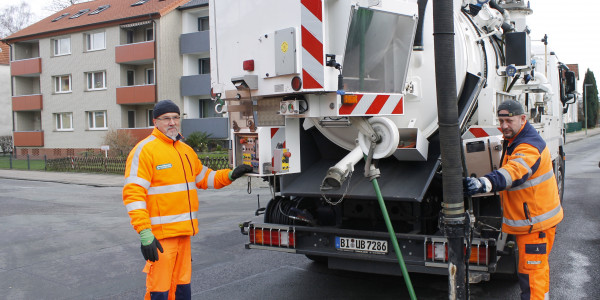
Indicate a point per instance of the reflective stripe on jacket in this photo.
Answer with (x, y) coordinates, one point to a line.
(528, 187)
(160, 191)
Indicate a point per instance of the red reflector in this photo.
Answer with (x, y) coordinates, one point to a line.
(249, 65)
(296, 83)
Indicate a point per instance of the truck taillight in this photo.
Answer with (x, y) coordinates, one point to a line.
(439, 252)
(296, 83)
(479, 255)
(272, 237)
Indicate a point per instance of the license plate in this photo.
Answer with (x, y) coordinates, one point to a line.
(361, 245)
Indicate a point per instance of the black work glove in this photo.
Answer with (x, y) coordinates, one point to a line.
(239, 171)
(149, 245)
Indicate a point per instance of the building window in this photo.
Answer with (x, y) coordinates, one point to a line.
(150, 118)
(130, 36)
(99, 10)
(149, 34)
(139, 2)
(95, 41)
(206, 109)
(60, 17)
(130, 77)
(203, 24)
(62, 46)
(149, 76)
(64, 121)
(131, 119)
(96, 80)
(204, 66)
(96, 119)
(79, 13)
(62, 84)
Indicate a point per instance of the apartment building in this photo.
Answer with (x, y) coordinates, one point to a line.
(94, 67)
(5, 114)
(194, 48)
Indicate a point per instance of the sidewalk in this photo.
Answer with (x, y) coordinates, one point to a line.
(579, 135)
(112, 180)
(98, 180)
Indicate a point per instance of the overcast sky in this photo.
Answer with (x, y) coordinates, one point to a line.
(570, 25)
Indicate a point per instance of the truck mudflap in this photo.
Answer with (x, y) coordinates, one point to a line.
(368, 251)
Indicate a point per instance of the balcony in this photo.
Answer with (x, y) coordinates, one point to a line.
(28, 138)
(195, 42)
(26, 67)
(138, 134)
(137, 94)
(27, 103)
(136, 53)
(218, 128)
(195, 85)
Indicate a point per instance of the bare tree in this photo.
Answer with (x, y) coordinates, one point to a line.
(14, 18)
(58, 5)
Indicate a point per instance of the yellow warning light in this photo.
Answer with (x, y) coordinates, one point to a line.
(349, 99)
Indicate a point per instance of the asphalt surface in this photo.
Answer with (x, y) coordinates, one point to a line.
(100, 259)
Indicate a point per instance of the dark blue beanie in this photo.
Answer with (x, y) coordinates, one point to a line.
(164, 106)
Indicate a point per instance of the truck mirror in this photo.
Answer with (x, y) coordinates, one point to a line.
(570, 84)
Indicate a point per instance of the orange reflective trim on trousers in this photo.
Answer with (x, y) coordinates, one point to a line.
(173, 267)
(534, 270)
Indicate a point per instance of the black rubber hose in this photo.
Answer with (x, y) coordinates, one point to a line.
(418, 43)
(517, 76)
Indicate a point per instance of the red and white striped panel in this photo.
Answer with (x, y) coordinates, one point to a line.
(374, 104)
(277, 137)
(479, 132)
(313, 73)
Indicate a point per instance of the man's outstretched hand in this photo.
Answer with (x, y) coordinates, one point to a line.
(239, 171)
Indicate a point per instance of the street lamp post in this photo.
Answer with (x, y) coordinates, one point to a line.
(585, 104)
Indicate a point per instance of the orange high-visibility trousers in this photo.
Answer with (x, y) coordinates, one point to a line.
(169, 277)
(534, 270)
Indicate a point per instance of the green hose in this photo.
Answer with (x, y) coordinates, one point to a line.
(388, 223)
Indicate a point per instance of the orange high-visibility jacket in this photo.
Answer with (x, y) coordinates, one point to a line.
(528, 187)
(160, 192)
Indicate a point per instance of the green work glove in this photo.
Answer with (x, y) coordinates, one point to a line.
(149, 245)
(239, 171)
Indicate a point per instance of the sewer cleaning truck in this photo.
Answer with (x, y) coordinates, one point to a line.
(324, 95)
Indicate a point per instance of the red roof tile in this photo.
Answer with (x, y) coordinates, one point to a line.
(4, 55)
(119, 11)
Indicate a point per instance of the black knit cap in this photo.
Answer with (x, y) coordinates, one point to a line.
(164, 106)
(513, 107)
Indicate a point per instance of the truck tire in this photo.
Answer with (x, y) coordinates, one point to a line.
(508, 266)
(559, 173)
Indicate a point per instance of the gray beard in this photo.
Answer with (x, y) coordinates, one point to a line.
(173, 137)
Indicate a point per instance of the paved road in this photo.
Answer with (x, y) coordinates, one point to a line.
(68, 241)
(575, 260)
(74, 241)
